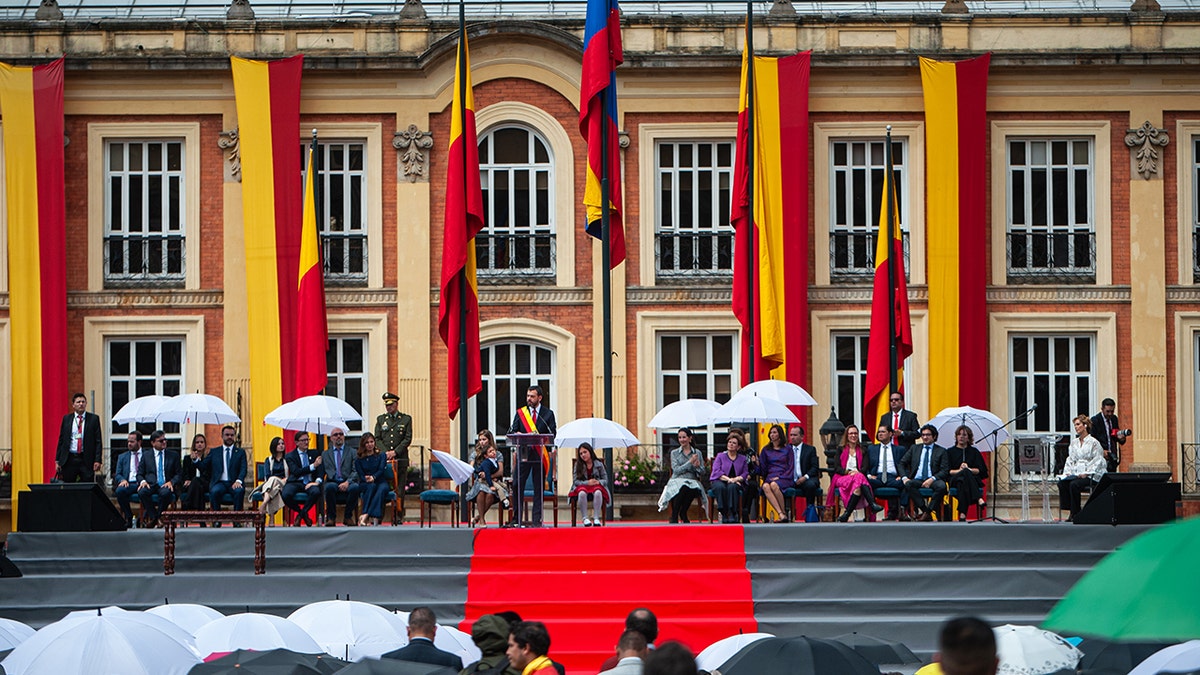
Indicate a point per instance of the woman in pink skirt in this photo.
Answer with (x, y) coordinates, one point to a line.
(850, 481)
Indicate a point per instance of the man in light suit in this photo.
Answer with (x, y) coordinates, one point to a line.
(340, 477)
(884, 461)
(533, 418)
(80, 446)
(631, 649)
(903, 423)
(806, 464)
(228, 466)
(125, 480)
(422, 627)
(303, 476)
(925, 465)
(159, 474)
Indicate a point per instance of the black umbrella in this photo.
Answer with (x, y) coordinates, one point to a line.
(797, 656)
(1103, 656)
(270, 662)
(394, 667)
(878, 650)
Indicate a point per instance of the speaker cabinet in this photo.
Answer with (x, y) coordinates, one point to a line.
(66, 507)
(1131, 499)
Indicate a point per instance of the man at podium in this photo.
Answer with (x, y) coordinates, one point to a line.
(533, 418)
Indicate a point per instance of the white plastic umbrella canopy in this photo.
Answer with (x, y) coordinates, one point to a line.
(1180, 658)
(595, 431)
(1028, 649)
(252, 630)
(115, 642)
(755, 408)
(352, 630)
(196, 409)
(787, 393)
(189, 617)
(143, 409)
(317, 414)
(455, 641)
(13, 633)
(690, 412)
(981, 422)
(720, 651)
(460, 472)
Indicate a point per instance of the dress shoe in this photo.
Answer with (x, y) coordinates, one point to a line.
(330, 523)
(905, 518)
(892, 516)
(926, 517)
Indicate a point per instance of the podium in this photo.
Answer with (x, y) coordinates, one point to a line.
(525, 445)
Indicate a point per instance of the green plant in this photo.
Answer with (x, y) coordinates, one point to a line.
(635, 471)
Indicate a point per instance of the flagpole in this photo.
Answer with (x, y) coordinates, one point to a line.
(463, 430)
(750, 224)
(893, 348)
(606, 273)
(316, 190)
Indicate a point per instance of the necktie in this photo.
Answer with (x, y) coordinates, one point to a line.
(158, 461)
(1107, 430)
(885, 456)
(895, 421)
(133, 465)
(78, 434)
(924, 464)
(337, 464)
(225, 470)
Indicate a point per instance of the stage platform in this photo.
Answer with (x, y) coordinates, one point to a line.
(895, 580)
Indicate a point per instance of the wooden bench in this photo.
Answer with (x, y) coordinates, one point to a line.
(169, 519)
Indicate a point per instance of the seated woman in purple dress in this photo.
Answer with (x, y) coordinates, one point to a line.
(590, 479)
(776, 464)
(850, 481)
(729, 475)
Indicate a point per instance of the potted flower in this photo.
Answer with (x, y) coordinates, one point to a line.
(636, 474)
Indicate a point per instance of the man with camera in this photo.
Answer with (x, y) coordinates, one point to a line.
(1108, 431)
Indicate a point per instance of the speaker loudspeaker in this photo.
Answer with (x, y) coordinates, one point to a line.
(67, 507)
(1131, 503)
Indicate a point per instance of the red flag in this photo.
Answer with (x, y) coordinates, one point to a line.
(598, 113)
(312, 338)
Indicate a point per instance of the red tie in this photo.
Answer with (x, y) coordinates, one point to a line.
(79, 433)
(895, 421)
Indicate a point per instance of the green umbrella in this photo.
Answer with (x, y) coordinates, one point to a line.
(1139, 592)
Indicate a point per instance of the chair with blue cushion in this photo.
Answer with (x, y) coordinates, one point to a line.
(431, 498)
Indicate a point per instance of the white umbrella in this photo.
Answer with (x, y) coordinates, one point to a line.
(460, 472)
(255, 631)
(691, 412)
(1180, 658)
(455, 641)
(196, 409)
(141, 409)
(352, 630)
(318, 414)
(1028, 649)
(988, 429)
(109, 642)
(716, 654)
(754, 408)
(187, 616)
(595, 431)
(13, 633)
(783, 391)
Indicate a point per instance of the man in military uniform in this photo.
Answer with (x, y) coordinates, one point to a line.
(393, 434)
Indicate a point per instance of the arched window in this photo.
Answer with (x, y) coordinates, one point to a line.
(509, 369)
(517, 175)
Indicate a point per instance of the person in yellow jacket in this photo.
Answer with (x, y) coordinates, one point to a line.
(528, 645)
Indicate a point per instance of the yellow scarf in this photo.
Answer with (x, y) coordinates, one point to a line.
(537, 664)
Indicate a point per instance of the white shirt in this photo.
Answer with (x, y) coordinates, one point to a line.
(886, 465)
(134, 460)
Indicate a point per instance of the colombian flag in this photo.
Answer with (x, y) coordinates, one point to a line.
(598, 110)
(312, 340)
(31, 101)
(773, 231)
(891, 330)
(268, 106)
(956, 150)
(458, 310)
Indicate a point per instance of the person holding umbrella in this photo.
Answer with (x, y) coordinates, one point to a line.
(967, 470)
(1084, 467)
(590, 479)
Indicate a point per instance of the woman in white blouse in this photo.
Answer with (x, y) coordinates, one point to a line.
(1083, 469)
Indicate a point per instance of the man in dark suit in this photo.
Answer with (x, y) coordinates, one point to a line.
(303, 476)
(422, 626)
(1109, 433)
(806, 465)
(159, 474)
(340, 477)
(125, 481)
(80, 445)
(903, 423)
(228, 466)
(884, 462)
(925, 465)
(533, 418)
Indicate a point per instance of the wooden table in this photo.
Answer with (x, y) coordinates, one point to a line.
(170, 518)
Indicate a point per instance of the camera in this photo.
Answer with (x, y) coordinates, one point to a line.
(1122, 432)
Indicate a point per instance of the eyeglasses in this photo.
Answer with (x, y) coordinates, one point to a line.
(338, 435)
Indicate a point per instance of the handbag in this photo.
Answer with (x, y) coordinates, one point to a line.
(811, 515)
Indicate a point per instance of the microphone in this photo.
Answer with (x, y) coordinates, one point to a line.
(1034, 407)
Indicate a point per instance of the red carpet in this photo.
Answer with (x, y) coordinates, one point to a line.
(581, 582)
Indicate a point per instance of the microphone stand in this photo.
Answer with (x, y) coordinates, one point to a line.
(994, 477)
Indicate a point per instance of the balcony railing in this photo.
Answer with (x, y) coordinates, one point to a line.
(1196, 255)
(694, 255)
(133, 260)
(1191, 483)
(515, 258)
(852, 256)
(1051, 257)
(345, 258)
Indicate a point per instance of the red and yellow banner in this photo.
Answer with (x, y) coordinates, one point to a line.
(458, 309)
(268, 106)
(31, 102)
(312, 340)
(956, 203)
(770, 296)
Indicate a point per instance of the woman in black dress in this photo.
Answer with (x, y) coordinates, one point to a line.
(967, 471)
(196, 474)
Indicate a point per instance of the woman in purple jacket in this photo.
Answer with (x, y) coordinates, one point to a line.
(729, 476)
(776, 464)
